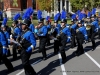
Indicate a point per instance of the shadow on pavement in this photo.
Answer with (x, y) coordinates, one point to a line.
(49, 68)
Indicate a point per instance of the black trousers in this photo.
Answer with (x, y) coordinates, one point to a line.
(73, 43)
(89, 34)
(63, 39)
(56, 46)
(8, 54)
(99, 33)
(80, 39)
(25, 62)
(48, 39)
(80, 46)
(92, 39)
(6, 61)
(14, 51)
(42, 45)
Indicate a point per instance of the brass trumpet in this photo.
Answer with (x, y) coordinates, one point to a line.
(77, 30)
(99, 23)
(88, 27)
(97, 14)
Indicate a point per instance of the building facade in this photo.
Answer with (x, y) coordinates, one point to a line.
(11, 8)
(63, 4)
(59, 5)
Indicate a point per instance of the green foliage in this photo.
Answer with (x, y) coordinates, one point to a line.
(1, 0)
(45, 4)
(79, 4)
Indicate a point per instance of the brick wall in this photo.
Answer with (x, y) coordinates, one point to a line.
(29, 3)
(8, 5)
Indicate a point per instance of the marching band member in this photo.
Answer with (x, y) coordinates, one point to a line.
(65, 37)
(81, 34)
(48, 24)
(16, 34)
(58, 25)
(88, 26)
(4, 51)
(73, 31)
(42, 34)
(55, 33)
(94, 29)
(28, 43)
(7, 35)
(99, 25)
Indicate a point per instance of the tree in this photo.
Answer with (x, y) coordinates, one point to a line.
(45, 4)
(79, 4)
(97, 3)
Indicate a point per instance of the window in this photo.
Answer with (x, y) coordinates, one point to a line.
(24, 3)
(34, 4)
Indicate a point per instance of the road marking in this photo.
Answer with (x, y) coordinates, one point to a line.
(19, 73)
(89, 55)
(62, 65)
(92, 59)
(76, 49)
(31, 65)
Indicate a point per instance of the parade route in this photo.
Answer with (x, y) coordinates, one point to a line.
(49, 37)
(85, 64)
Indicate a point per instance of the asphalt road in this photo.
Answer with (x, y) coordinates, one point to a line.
(85, 64)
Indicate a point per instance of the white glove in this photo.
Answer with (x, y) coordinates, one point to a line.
(11, 37)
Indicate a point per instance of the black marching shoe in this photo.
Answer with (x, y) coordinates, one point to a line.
(0, 61)
(76, 54)
(80, 53)
(44, 58)
(93, 48)
(48, 44)
(56, 52)
(39, 51)
(73, 46)
(63, 55)
(11, 70)
(64, 61)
